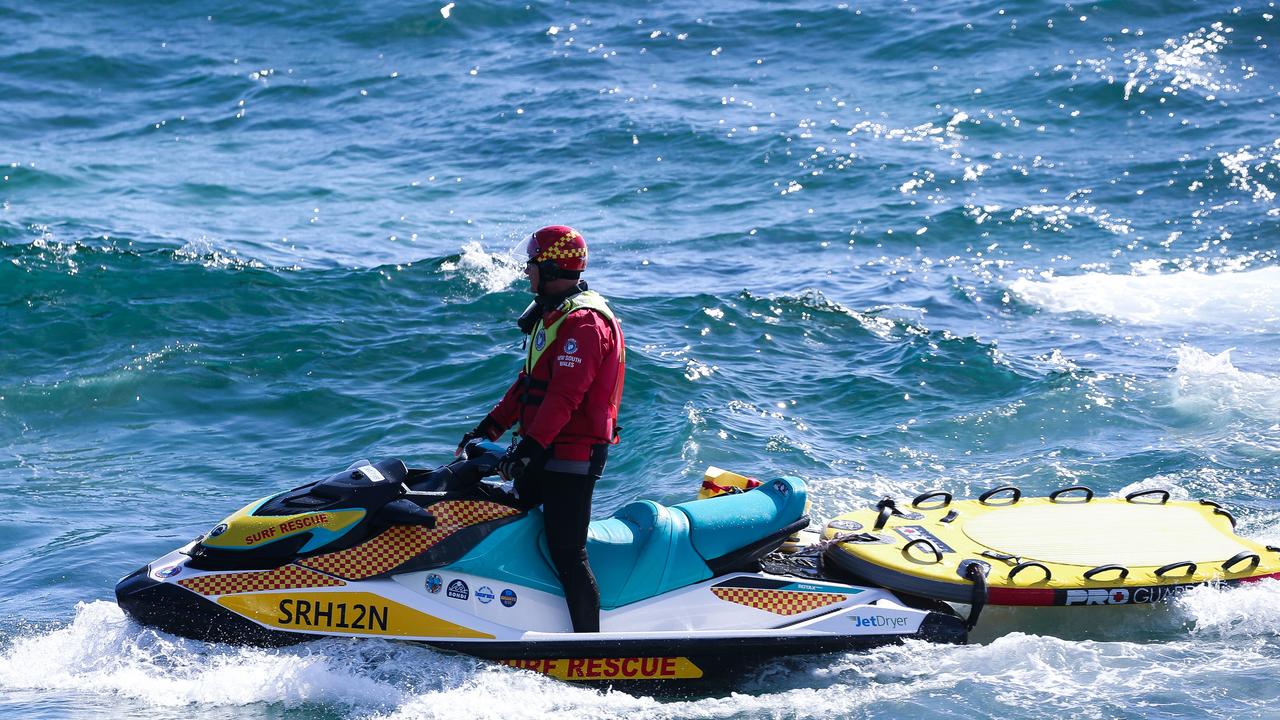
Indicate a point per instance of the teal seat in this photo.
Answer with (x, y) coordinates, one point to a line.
(642, 551)
(645, 549)
(721, 525)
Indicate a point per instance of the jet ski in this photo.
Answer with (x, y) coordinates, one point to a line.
(448, 558)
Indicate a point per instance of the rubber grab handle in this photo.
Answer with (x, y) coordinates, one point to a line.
(937, 554)
(1124, 571)
(883, 517)
(1048, 574)
(1088, 493)
(924, 497)
(1164, 495)
(1252, 557)
(1015, 494)
(1190, 566)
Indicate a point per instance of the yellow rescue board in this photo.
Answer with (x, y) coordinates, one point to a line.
(1066, 549)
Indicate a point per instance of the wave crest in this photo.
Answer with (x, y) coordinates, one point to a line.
(1189, 296)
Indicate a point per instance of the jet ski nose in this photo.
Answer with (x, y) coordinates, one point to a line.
(133, 591)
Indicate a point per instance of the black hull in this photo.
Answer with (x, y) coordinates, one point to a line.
(174, 610)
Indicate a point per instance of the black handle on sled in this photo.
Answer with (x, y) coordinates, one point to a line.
(1088, 493)
(1190, 566)
(1164, 495)
(925, 497)
(887, 508)
(1124, 571)
(1015, 494)
(1048, 574)
(937, 554)
(1219, 510)
(1252, 557)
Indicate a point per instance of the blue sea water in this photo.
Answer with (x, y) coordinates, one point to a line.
(887, 246)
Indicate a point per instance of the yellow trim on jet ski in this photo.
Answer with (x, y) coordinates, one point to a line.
(1065, 549)
(355, 613)
(245, 530)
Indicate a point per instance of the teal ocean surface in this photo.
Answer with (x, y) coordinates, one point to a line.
(887, 247)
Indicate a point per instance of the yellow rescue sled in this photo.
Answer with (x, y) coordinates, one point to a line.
(1067, 549)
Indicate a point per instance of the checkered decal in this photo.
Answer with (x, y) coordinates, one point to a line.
(287, 577)
(779, 602)
(402, 543)
(559, 251)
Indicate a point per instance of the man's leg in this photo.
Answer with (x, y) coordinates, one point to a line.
(566, 505)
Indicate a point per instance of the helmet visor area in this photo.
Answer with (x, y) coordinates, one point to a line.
(531, 248)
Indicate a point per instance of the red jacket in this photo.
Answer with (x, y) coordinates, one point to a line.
(578, 406)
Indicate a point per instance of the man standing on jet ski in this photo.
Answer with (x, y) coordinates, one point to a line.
(565, 405)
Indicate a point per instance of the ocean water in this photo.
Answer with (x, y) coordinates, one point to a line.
(886, 246)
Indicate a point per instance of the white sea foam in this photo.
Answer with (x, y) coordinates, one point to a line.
(1248, 299)
(1209, 386)
(103, 653)
(1248, 610)
(492, 272)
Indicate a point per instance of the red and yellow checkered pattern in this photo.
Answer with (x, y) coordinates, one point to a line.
(779, 602)
(560, 250)
(288, 577)
(402, 543)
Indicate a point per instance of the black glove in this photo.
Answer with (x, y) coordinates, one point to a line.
(515, 462)
(487, 430)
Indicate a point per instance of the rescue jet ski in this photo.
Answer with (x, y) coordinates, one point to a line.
(445, 558)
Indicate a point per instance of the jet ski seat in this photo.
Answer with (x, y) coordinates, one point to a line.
(731, 529)
(642, 551)
(647, 549)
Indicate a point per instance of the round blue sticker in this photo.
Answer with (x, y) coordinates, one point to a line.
(508, 597)
(434, 583)
(484, 594)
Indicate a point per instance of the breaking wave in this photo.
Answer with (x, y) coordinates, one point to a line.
(1250, 297)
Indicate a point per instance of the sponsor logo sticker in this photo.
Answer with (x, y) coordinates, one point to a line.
(1123, 596)
(458, 590)
(879, 621)
(484, 594)
(222, 527)
(508, 597)
(168, 572)
(434, 583)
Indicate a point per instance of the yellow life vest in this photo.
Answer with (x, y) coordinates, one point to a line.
(544, 336)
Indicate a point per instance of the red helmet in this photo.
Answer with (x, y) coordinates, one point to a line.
(558, 246)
